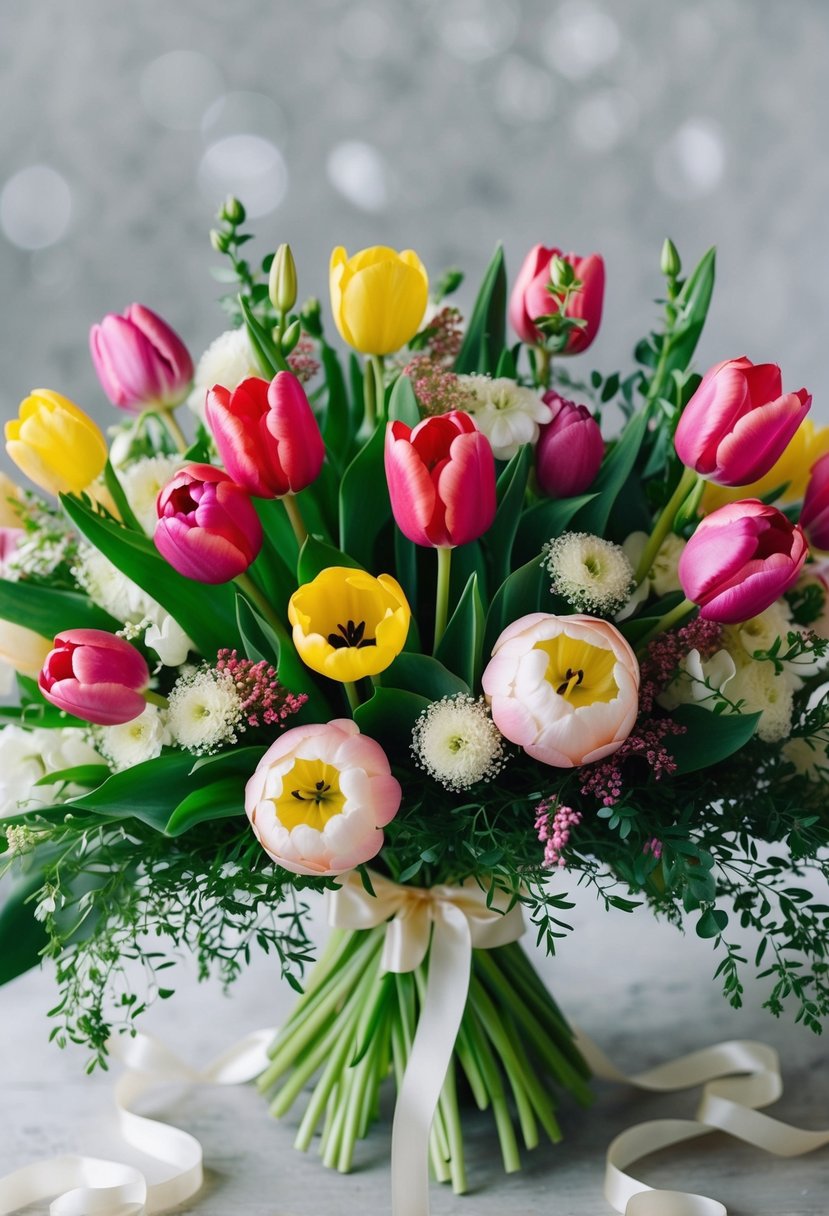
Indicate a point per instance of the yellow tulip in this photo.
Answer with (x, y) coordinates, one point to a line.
(378, 297)
(55, 444)
(348, 624)
(22, 648)
(792, 470)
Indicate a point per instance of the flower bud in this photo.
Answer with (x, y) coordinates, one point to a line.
(669, 263)
(282, 285)
(220, 240)
(141, 362)
(207, 529)
(291, 336)
(570, 449)
(562, 275)
(531, 299)
(232, 211)
(378, 297)
(55, 444)
(95, 676)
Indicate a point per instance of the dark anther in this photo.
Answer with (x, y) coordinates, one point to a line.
(566, 683)
(350, 635)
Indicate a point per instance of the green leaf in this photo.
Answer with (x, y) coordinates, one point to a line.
(507, 364)
(389, 716)
(337, 425)
(545, 520)
(364, 500)
(236, 760)
(526, 590)
(223, 799)
(692, 308)
(81, 774)
(262, 640)
(461, 647)
(207, 614)
(709, 738)
(615, 470)
(149, 791)
(21, 936)
(485, 335)
(315, 556)
(269, 357)
(48, 612)
(424, 675)
(510, 491)
(403, 405)
(712, 922)
(120, 499)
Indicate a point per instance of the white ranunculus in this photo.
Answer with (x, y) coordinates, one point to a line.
(28, 755)
(507, 413)
(227, 361)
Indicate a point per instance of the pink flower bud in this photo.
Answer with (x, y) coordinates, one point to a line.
(740, 560)
(530, 298)
(441, 477)
(738, 422)
(95, 676)
(814, 518)
(570, 449)
(141, 362)
(267, 435)
(207, 526)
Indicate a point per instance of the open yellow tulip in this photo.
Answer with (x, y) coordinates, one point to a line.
(378, 297)
(55, 444)
(348, 624)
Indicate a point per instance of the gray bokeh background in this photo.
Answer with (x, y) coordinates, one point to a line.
(442, 124)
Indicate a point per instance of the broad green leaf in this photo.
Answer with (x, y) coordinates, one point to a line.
(336, 427)
(485, 335)
(120, 499)
(526, 590)
(405, 564)
(422, 674)
(315, 556)
(149, 791)
(507, 365)
(48, 611)
(224, 799)
(617, 467)
(262, 639)
(403, 405)
(236, 760)
(269, 357)
(511, 488)
(461, 647)
(545, 520)
(364, 500)
(709, 738)
(21, 936)
(712, 922)
(692, 308)
(80, 774)
(389, 716)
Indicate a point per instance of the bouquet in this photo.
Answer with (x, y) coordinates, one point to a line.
(410, 627)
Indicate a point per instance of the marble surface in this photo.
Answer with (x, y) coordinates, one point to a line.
(640, 990)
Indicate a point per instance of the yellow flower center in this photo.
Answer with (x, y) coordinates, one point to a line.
(311, 795)
(579, 672)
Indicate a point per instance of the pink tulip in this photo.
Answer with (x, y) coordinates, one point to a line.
(141, 362)
(207, 526)
(267, 435)
(530, 298)
(740, 560)
(441, 476)
(738, 422)
(570, 449)
(814, 518)
(565, 688)
(95, 676)
(320, 798)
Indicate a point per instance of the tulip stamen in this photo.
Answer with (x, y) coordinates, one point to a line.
(350, 634)
(317, 795)
(571, 680)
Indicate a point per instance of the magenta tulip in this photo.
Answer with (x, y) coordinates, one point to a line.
(570, 449)
(441, 477)
(530, 298)
(740, 560)
(207, 526)
(814, 518)
(267, 435)
(95, 676)
(141, 362)
(738, 422)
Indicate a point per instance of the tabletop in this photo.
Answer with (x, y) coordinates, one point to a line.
(640, 989)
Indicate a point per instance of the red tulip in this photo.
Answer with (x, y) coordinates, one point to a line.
(814, 518)
(530, 298)
(267, 435)
(740, 560)
(738, 422)
(441, 477)
(140, 360)
(207, 526)
(95, 676)
(570, 449)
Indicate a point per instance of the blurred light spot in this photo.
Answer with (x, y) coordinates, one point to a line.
(358, 172)
(248, 166)
(603, 119)
(523, 92)
(243, 114)
(694, 31)
(692, 162)
(474, 30)
(53, 272)
(580, 38)
(177, 87)
(35, 207)
(366, 32)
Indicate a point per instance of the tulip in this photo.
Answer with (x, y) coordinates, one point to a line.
(531, 299)
(207, 526)
(348, 624)
(141, 362)
(22, 648)
(570, 449)
(320, 798)
(282, 284)
(378, 297)
(740, 560)
(788, 476)
(564, 688)
(95, 676)
(55, 444)
(267, 435)
(814, 517)
(441, 476)
(738, 422)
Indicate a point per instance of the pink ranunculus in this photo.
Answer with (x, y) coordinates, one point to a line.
(441, 477)
(320, 798)
(530, 298)
(814, 518)
(267, 435)
(738, 422)
(570, 449)
(95, 676)
(741, 558)
(564, 688)
(141, 362)
(207, 526)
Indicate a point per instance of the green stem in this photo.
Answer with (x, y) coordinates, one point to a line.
(176, 433)
(369, 400)
(155, 698)
(665, 522)
(442, 598)
(659, 374)
(543, 364)
(378, 371)
(353, 694)
(667, 622)
(246, 584)
(294, 514)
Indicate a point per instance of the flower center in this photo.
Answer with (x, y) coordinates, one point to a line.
(311, 795)
(579, 672)
(350, 634)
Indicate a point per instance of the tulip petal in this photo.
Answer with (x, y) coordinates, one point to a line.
(101, 704)
(759, 439)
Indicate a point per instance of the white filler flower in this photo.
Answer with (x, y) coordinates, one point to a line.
(590, 573)
(227, 361)
(142, 481)
(508, 414)
(457, 743)
(204, 710)
(26, 756)
(134, 742)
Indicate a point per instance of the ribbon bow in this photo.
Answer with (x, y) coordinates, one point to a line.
(456, 919)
